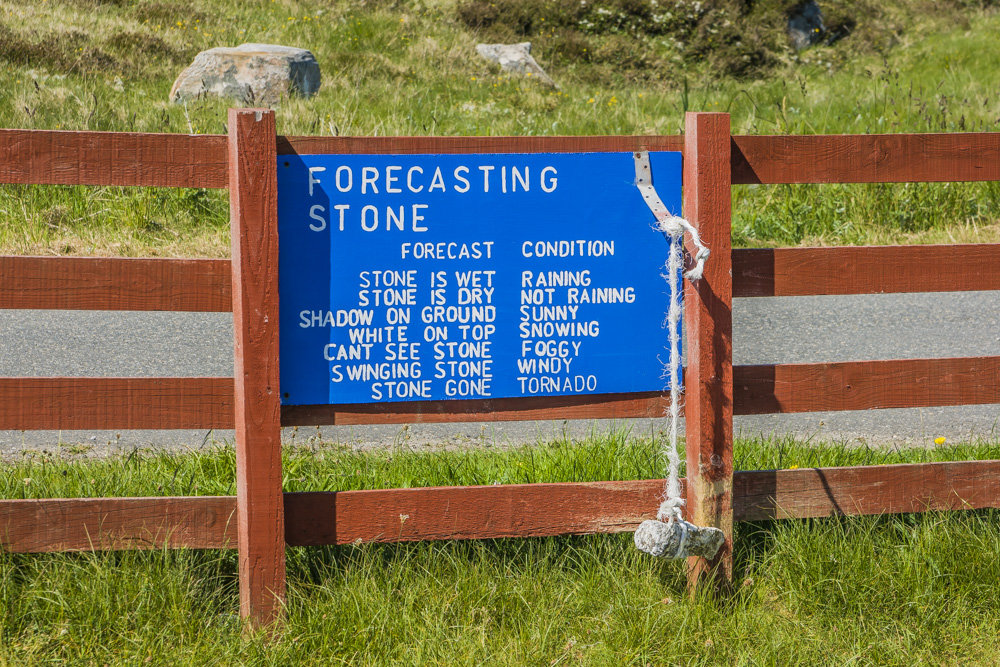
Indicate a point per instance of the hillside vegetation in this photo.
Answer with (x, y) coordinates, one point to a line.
(409, 68)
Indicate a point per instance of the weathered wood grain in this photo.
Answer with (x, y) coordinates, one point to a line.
(82, 403)
(866, 385)
(485, 512)
(203, 403)
(518, 510)
(253, 196)
(599, 406)
(112, 158)
(708, 314)
(412, 145)
(115, 283)
(204, 285)
(178, 160)
(532, 510)
(96, 524)
(866, 270)
(887, 489)
(867, 158)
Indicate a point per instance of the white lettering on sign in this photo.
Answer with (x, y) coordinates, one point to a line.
(391, 181)
(418, 179)
(579, 248)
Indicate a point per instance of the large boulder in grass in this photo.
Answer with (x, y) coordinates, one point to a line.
(253, 74)
(515, 58)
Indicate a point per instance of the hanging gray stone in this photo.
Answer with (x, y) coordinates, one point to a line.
(257, 74)
(679, 539)
(515, 58)
(805, 25)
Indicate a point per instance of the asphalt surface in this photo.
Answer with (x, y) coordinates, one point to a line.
(767, 330)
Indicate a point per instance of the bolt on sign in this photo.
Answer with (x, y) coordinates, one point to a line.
(435, 277)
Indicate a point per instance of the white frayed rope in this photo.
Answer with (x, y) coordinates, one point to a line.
(674, 227)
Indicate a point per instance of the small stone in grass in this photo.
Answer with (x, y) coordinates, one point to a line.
(517, 59)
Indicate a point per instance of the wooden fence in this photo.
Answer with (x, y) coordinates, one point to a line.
(261, 519)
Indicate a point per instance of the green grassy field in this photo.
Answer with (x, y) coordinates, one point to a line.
(409, 68)
(895, 590)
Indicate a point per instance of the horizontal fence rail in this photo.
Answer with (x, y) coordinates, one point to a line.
(46, 157)
(87, 403)
(460, 145)
(205, 285)
(200, 161)
(866, 270)
(77, 403)
(865, 385)
(116, 283)
(866, 158)
(592, 406)
(480, 512)
(83, 524)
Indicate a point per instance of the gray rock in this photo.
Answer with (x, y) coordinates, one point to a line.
(679, 539)
(249, 73)
(805, 25)
(515, 58)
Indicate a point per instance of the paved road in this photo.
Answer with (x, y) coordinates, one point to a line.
(800, 329)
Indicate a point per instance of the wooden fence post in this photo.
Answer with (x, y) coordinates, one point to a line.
(708, 311)
(253, 197)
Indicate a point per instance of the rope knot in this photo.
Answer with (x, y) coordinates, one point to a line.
(670, 510)
(674, 227)
(671, 226)
(698, 270)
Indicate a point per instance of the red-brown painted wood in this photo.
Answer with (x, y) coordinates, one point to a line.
(97, 524)
(204, 285)
(531, 510)
(443, 513)
(485, 512)
(112, 158)
(204, 403)
(411, 145)
(600, 406)
(115, 283)
(81, 403)
(708, 304)
(178, 160)
(866, 385)
(755, 159)
(888, 489)
(866, 158)
(253, 196)
(866, 270)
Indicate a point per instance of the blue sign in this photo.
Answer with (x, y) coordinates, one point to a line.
(428, 277)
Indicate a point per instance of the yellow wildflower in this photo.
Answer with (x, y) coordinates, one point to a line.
(940, 441)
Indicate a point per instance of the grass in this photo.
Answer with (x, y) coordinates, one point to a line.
(407, 68)
(895, 590)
